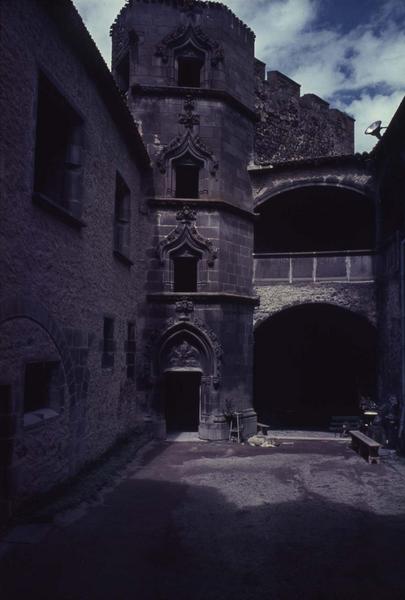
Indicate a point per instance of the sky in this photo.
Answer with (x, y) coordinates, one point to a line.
(349, 52)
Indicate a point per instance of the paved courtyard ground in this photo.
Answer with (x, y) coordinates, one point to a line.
(191, 521)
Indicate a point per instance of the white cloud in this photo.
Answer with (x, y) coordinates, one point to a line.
(98, 16)
(366, 62)
(368, 109)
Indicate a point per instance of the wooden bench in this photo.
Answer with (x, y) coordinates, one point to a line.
(342, 424)
(262, 428)
(365, 446)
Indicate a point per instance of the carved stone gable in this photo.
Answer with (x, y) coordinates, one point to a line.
(195, 35)
(186, 234)
(184, 355)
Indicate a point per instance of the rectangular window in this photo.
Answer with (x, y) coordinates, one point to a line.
(122, 73)
(187, 181)
(185, 274)
(5, 400)
(107, 360)
(37, 385)
(122, 217)
(58, 151)
(130, 351)
(189, 71)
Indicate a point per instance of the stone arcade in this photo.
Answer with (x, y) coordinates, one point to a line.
(183, 236)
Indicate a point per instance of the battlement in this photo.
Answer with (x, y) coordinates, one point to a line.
(189, 6)
(278, 81)
(291, 126)
(153, 42)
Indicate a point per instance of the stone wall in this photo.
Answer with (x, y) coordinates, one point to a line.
(291, 126)
(357, 297)
(58, 271)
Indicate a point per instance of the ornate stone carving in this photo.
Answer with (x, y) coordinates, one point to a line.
(184, 355)
(186, 214)
(184, 308)
(189, 118)
(196, 35)
(182, 144)
(186, 234)
(155, 338)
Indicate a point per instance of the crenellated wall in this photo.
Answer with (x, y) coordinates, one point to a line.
(291, 126)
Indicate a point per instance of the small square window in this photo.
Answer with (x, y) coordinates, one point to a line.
(122, 217)
(37, 384)
(130, 351)
(107, 359)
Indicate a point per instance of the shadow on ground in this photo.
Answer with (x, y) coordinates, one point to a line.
(160, 540)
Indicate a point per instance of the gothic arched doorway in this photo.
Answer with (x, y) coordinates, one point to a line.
(187, 371)
(313, 362)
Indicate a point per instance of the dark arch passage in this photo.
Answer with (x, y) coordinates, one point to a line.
(312, 362)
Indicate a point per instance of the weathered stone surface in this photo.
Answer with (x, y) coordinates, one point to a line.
(291, 126)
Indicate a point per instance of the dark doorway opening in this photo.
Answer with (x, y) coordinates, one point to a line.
(182, 400)
(313, 362)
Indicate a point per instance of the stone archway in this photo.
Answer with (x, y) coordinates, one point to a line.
(14, 308)
(186, 363)
(312, 362)
(39, 385)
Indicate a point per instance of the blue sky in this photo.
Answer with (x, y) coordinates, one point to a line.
(349, 52)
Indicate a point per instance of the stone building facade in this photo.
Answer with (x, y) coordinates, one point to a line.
(182, 238)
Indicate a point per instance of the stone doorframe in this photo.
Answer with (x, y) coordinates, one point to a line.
(188, 348)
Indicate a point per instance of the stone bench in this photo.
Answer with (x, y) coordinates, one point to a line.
(365, 446)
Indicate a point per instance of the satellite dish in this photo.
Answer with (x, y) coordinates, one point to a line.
(375, 129)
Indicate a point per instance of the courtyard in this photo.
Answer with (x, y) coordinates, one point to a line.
(195, 520)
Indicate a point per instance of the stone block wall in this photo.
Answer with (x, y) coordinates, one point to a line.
(291, 126)
(156, 27)
(359, 298)
(62, 273)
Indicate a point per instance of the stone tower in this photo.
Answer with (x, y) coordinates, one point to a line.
(187, 70)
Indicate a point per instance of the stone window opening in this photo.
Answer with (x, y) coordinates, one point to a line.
(58, 151)
(108, 346)
(122, 217)
(40, 380)
(130, 348)
(122, 73)
(185, 272)
(187, 177)
(189, 67)
(5, 399)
